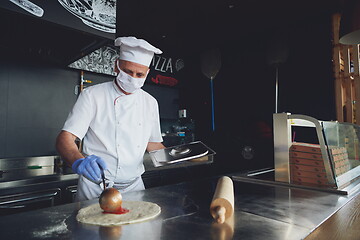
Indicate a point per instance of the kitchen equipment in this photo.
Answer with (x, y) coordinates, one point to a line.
(222, 204)
(25, 201)
(267, 211)
(210, 66)
(180, 153)
(331, 138)
(20, 168)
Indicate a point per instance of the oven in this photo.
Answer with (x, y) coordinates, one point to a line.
(31, 200)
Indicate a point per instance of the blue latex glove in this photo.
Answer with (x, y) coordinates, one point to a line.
(89, 167)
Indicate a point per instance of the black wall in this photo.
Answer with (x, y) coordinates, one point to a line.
(245, 88)
(34, 102)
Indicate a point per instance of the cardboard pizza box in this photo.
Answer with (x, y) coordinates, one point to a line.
(304, 161)
(315, 181)
(314, 148)
(306, 155)
(305, 147)
(316, 175)
(316, 169)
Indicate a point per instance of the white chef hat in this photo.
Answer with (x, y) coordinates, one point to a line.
(136, 50)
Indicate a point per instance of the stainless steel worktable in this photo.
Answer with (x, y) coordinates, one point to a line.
(261, 212)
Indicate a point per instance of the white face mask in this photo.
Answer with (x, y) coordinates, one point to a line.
(128, 83)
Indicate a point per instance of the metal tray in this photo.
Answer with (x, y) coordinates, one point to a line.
(180, 153)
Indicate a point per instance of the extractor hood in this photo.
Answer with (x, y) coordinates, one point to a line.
(50, 31)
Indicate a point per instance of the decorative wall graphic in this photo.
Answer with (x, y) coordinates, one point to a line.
(179, 64)
(98, 14)
(163, 80)
(97, 17)
(162, 64)
(101, 60)
(29, 7)
(168, 69)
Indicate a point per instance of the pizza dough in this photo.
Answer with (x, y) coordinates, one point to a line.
(139, 211)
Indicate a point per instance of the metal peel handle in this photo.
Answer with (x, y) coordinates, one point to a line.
(103, 176)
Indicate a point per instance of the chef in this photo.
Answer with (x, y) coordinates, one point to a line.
(118, 122)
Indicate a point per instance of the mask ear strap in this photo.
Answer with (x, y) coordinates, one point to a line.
(147, 73)
(117, 64)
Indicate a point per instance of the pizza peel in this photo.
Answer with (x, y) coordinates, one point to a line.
(180, 153)
(210, 66)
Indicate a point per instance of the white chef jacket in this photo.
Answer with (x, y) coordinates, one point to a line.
(116, 127)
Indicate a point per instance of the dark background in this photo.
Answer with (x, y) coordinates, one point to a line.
(254, 38)
(36, 90)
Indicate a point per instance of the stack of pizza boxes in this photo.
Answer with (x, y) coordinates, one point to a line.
(307, 164)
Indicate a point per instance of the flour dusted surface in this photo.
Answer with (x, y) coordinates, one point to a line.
(139, 211)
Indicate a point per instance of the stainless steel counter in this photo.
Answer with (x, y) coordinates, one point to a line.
(261, 212)
(37, 176)
(38, 189)
(38, 180)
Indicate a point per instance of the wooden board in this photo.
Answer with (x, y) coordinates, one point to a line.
(344, 224)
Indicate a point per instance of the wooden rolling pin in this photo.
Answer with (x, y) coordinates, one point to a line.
(222, 204)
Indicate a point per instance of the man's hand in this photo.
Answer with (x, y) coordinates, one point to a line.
(154, 146)
(89, 167)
